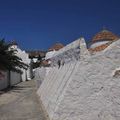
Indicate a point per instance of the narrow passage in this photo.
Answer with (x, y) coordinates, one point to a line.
(21, 103)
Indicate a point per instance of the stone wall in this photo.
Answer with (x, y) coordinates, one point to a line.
(86, 88)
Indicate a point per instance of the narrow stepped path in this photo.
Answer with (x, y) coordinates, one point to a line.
(21, 103)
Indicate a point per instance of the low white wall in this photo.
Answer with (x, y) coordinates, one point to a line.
(15, 78)
(39, 75)
(3, 80)
(70, 52)
(57, 79)
(24, 75)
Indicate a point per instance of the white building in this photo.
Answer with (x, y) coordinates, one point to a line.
(52, 50)
(87, 86)
(102, 40)
(25, 59)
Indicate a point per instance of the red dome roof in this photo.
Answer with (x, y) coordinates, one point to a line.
(104, 35)
(56, 47)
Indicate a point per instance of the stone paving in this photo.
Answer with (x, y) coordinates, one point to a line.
(21, 103)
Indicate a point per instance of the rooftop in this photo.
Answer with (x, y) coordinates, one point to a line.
(104, 35)
(56, 47)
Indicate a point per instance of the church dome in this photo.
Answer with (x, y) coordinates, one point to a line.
(104, 35)
(56, 47)
(102, 40)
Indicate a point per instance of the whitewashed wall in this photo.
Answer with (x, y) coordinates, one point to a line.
(15, 78)
(24, 75)
(40, 74)
(57, 79)
(70, 52)
(25, 59)
(83, 89)
(4, 80)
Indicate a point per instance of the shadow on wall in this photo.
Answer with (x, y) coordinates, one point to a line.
(116, 74)
(8, 79)
(15, 88)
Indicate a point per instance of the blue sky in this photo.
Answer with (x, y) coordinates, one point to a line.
(38, 24)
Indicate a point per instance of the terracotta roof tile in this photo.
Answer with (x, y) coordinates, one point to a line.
(56, 47)
(104, 35)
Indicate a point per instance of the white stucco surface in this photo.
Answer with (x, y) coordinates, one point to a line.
(15, 78)
(84, 88)
(3, 80)
(25, 59)
(40, 74)
(49, 54)
(98, 44)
